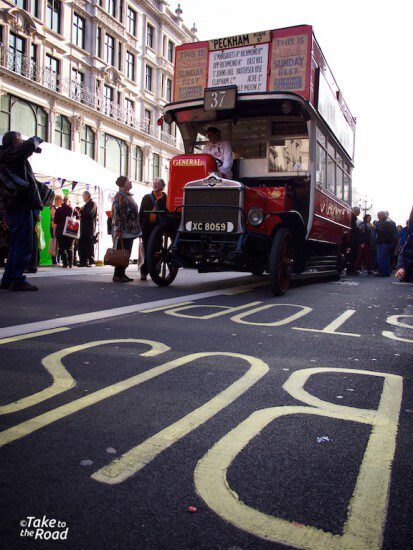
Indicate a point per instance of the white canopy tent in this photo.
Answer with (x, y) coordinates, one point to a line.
(66, 169)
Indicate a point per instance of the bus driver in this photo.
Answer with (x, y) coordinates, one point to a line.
(220, 150)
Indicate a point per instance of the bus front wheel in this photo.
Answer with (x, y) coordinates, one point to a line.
(160, 258)
(281, 261)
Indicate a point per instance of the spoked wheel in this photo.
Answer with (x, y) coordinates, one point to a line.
(281, 262)
(160, 262)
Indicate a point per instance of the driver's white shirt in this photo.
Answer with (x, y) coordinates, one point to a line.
(221, 150)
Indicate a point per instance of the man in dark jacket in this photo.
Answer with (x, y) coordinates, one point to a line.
(152, 202)
(385, 239)
(88, 215)
(19, 208)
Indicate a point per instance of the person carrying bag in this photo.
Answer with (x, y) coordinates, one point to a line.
(66, 230)
(125, 228)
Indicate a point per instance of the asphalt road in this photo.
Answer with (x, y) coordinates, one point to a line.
(285, 422)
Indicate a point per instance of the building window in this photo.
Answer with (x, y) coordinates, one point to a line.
(78, 31)
(17, 50)
(62, 132)
(130, 110)
(34, 8)
(148, 120)
(148, 77)
(168, 89)
(171, 50)
(131, 21)
(99, 42)
(130, 65)
(33, 61)
(111, 7)
(52, 72)
(150, 36)
(108, 98)
(137, 165)
(87, 141)
(77, 84)
(113, 154)
(155, 166)
(53, 15)
(21, 4)
(22, 116)
(109, 49)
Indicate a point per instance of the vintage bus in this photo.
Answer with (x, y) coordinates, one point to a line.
(285, 209)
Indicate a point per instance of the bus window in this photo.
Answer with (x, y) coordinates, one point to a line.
(331, 176)
(339, 182)
(321, 166)
(321, 138)
(289, 155)
(347, 186)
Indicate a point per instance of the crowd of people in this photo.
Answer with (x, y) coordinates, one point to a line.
(380, 247)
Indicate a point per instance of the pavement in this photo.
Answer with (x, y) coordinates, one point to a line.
(209, 414)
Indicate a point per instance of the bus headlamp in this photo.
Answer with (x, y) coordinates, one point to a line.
(255, 216)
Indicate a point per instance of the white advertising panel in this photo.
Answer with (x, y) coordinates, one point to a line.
(329, 109)
(245, 67)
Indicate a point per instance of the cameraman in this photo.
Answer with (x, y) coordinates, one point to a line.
(19, 207)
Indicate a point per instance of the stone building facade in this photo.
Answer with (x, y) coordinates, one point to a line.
(93, 76)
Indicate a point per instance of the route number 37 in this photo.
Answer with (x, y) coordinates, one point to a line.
(218, 99)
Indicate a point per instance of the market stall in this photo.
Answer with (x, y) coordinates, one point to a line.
(68, 172)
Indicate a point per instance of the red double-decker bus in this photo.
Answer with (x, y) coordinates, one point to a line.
(284, 207)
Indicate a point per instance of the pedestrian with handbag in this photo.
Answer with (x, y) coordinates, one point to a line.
(20, 198)
(125, 228)
(152, 202)
(62, 218)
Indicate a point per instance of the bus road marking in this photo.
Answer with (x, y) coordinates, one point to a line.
(332, 327)
(63, 381)
(32, 335)
(368, 505)
(138, 457)
(394, 320)
(177, 312)
(163, 308)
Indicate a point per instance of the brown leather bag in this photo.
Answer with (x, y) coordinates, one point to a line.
(117, 258)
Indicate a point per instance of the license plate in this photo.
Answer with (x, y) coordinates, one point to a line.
(213, 227)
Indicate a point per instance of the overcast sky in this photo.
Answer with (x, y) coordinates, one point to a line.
(366, 44)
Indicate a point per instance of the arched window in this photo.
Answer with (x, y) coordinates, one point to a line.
(22, 116)
(137, 165)
(113, 154)
(62, 133)
(87, 141)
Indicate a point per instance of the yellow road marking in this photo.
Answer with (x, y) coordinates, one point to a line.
(176, 312)
(332, 327)
(367, 510)
(138, 457)
(32, 335)
(394, 320)
(241, 316)
(63, 380)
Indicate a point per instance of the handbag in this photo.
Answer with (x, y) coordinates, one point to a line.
(71, 228)
(117, 257)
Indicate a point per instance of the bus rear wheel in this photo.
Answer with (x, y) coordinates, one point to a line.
(281, 262)
(160, 261)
